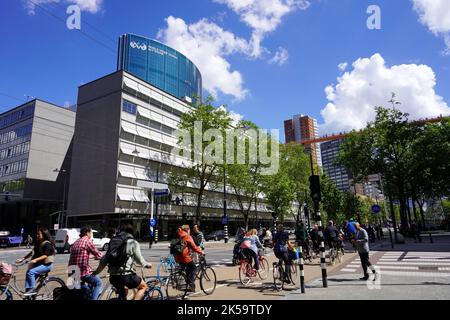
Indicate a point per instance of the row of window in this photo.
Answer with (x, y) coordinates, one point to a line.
(12, 135)
(16, 150)
(13, 168)
(16, 116)
(13, 185)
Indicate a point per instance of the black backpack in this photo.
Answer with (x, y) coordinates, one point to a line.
(177, 246)
(117, 250)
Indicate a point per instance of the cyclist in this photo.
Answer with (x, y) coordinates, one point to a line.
(332, 235)
(250, 246)
(79, 256)
(184, 258)
(314, 235)
(350, 231)
(42, 255)
(124, 251)
(301, 235)
(284, 250)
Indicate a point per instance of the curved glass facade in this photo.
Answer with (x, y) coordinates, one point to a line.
(159, 65)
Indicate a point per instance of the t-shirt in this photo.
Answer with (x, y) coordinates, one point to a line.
(42, 250)
(281, 239)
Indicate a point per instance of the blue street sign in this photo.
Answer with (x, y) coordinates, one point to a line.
(152, 222)
(225, 220)
(376, 208)
(164, 192)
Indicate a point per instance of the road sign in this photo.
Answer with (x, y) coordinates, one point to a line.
(152, 222)
(161, 192)
(376, 208)
(225, 220)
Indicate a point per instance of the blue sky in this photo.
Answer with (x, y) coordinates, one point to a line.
(40, 57)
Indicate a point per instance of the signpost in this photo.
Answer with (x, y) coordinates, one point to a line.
(376, 209)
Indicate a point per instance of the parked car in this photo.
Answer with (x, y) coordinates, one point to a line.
(65, 238)
(6, 240)
(215, 235)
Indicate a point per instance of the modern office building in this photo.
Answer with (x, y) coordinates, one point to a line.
(337, 173)
(303, 128)
(124, 136)
(35, 147)
(160, 66)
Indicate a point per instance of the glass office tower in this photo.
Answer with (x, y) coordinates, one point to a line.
(160, 65)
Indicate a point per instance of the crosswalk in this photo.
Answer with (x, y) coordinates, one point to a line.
(406, 263)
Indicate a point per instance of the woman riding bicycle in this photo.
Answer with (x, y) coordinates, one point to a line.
(284, 250)
(42, 258)
(250, 246)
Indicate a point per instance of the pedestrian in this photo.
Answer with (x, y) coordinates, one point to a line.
(362, 246)
(301, 235)
(29, 241)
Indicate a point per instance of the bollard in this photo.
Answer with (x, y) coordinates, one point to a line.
(225, 231)
(156, 235)
(302, 271)
(323, 264)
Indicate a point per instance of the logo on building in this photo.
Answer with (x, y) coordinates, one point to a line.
(137, 45)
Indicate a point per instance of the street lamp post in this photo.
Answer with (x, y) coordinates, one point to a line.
(64, 172)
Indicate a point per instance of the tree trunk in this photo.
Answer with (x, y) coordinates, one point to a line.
(422, 214)
(198, 212)
(414, 209)
(393, 217)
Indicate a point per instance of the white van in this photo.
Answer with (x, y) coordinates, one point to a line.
(65, 238)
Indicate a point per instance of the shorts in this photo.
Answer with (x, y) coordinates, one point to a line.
(131, 281)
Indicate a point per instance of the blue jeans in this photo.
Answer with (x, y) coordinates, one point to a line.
(95, 284)
(30, 282)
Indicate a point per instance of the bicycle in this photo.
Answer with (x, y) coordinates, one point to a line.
(247, 272)
(159, 282)
(335, 253)
(279, 274)
(177, 284)
(43, 291)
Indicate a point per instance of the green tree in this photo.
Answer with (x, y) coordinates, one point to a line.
(332, 200)
(202, 171)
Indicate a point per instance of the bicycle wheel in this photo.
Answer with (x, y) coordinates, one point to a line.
(244, 270)
(264, 268)
(114, 295)
(208, 280)
(45, 291)
(294, 274)
(5, 294)
(154, 293)
(278, 274)
(176, 286)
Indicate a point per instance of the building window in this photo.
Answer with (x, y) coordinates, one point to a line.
(129, 107)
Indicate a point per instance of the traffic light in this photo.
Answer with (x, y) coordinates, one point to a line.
(314, 186)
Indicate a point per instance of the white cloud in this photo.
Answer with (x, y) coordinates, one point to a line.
(342, 66)
(370, 83)
(263, 16)
(235, 117)
(92, 6)
(435, 14)
(207, 45)
(280, 57)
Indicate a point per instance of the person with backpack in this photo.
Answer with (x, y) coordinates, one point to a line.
(79, 256)
(122, 255)
(181, 248)
(42, 255)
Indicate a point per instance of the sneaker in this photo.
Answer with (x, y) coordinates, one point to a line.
(364, 278)
(376, 276)
(191, 288)
(30, 293)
